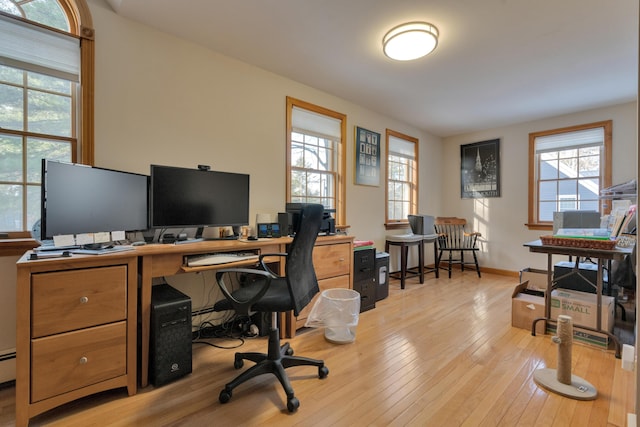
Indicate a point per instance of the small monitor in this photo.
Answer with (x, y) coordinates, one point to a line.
(79, 199)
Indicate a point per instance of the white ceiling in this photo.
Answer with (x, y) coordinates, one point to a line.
(498, 62)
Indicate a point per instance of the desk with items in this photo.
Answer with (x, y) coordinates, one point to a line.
(93, 346)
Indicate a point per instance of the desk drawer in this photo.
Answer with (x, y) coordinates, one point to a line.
(66, 300)
(331, 260)
(70, 361)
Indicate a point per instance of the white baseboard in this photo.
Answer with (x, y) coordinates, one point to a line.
(7, 365)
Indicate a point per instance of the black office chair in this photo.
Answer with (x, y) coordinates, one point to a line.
(264, 291)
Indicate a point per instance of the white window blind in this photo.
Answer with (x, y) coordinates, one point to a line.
(570, 140)
(36, 49)
(401, 147)
(319, 124)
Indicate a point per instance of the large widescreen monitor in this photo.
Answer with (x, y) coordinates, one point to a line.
(78, 199)
(196, 198)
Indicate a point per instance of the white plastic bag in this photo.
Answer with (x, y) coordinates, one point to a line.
(338, 311)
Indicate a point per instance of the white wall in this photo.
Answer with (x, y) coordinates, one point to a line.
(502, 220)
(162, 100)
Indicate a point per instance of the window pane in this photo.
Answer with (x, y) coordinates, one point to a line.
(548, 191)
(11, 107)
(38, 149)
(46, 12)
(568, 187)
(589, 166)
(10, 207)
(33, 205)
(48, 113)
(298, 183)
(10, 75)
(546, 211)
(51, 84)
(10, 158)
(549, 169)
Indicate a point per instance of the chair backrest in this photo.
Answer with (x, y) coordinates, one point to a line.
(299, 271)
(451, 233)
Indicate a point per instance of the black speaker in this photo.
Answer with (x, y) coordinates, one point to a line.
(170, 346)
(285, 219)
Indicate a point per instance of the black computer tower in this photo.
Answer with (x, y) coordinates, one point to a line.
(170, 343)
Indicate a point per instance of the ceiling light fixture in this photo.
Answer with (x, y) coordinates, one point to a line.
(410, 41)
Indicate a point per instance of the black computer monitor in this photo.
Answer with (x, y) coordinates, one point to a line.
(78, 199)
(196, 198)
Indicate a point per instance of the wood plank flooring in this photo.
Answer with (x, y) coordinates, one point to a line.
(438, 354)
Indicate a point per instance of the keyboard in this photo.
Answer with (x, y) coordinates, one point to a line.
(221, 258)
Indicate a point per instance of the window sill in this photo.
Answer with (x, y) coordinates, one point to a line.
(548, 227)
(16, 247)
(396, 225)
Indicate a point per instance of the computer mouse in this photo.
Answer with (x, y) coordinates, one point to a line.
(139, 243)
(252, 238)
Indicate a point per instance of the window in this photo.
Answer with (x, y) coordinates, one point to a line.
(402, 178)
(567, 169)
(46, 99)
(316, 156)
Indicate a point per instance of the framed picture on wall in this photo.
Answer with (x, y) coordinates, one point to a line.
(367, 157)
(480, 169)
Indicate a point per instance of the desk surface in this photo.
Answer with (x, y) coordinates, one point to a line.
(615, 254)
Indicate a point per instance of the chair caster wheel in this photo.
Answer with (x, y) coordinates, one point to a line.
(293, 404)
(289, 352)
(238, 363)
(323, 371)
(225, 396)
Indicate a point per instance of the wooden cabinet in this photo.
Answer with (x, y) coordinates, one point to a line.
(332, 260)
(76, 330)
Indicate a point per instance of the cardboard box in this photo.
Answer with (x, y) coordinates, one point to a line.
(525, 308)
(581, 306)
(537, 279)
(582, 336)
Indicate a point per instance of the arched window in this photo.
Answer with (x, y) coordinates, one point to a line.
(46, 99)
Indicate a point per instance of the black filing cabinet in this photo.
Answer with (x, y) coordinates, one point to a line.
(364, 277)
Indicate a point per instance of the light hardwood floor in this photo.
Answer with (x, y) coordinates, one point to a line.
(438, 354)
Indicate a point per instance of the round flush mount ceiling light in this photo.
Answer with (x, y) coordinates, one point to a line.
(410, 41)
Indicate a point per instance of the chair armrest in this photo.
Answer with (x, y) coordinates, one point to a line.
(227, 294)
(264, 265)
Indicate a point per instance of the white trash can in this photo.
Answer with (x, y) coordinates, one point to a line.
(338, 310)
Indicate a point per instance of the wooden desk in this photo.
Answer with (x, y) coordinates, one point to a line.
(601, 254)
(76, 329)
(332, 259)
(160, 260)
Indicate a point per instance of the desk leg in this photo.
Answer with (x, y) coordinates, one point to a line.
(145, 318)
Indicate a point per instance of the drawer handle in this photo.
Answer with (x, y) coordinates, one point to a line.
(83, 360)
(84, 300)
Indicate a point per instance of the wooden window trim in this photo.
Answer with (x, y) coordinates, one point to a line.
(398, 224)
(341, 168)
(533, 223)
(81, 24)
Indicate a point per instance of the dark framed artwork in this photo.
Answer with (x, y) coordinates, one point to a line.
(367, 157)
(480, 169)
